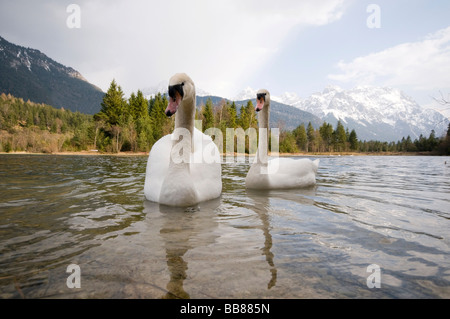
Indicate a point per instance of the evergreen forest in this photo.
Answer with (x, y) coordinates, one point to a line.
(136, 123)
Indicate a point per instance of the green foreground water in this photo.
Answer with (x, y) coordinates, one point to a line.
(393, 212)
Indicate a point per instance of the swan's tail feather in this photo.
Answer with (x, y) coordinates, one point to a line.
(316, 165)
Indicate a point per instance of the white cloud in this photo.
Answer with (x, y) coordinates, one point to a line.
(218, 43)
(422, 65)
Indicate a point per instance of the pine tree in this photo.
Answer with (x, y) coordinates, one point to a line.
(353, 140)
(140, 106)
(208, 115)
(340, 137)
(409, 145)
(223, 116)
(157, 116)
(311, 137)
(433, 141)
(300, 137)
(243, 118)
(232, 122)
(132, 103)
(161, 124)
(252, 119)
(445, 145)
(145, 138)
(326, 132)
(113, 105)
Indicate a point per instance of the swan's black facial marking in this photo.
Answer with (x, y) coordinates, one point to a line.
(176, 88)
(260, 100)
(176, 94)
(261, 96)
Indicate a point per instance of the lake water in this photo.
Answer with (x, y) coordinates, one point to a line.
(392, 212)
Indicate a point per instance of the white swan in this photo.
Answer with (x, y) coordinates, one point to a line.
(277, 173)
(183, 168)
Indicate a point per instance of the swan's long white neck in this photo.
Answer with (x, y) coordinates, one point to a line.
(263, 139)
(184, 126)
(185, 116)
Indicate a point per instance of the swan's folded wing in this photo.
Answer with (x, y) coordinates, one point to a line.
(157, 167)
(292, 173)
(291, 166)
(205, 167)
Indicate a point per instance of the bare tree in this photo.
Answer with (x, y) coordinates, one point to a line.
(116, 130)
(442, 100)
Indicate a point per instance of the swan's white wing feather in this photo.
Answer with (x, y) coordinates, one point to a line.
(204, 175)
(157, 168)
(206, 170)
(283, 173)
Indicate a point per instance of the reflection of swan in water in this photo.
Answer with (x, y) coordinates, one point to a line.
(179, 229)
(304, 196)
(261, 207)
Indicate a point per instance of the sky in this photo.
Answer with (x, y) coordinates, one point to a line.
(296, 46)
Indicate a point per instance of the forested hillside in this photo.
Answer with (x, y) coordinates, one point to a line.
(136, 123)
(31, 75)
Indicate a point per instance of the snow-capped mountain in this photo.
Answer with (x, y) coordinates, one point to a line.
(287, 98)
(151, 91)
(376, 113)
(246, 94)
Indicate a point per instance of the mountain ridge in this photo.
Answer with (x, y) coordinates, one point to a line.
(376, 113)
(30, 74)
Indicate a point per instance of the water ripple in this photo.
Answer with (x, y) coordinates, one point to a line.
(308, 243)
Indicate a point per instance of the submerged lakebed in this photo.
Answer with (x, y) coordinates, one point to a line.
(90, 211)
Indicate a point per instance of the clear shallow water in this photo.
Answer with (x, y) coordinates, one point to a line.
(314, 243)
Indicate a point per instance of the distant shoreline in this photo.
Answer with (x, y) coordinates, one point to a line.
(81, 153)
(138, 154)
